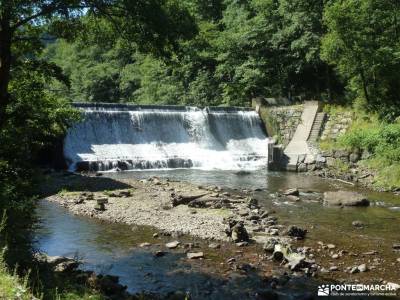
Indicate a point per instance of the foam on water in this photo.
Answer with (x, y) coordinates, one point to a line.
(134, 137)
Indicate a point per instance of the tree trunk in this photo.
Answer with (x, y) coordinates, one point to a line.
(5, 68)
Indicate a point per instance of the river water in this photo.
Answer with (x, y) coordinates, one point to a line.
(113, 248)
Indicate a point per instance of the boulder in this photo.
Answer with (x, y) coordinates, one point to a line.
(345, 198)
(239, 233)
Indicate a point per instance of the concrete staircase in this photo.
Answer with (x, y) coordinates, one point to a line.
(298, 146)
(317, 127)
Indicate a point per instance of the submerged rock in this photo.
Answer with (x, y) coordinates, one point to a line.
(345, 198)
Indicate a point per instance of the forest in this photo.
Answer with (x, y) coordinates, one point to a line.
(188, 52)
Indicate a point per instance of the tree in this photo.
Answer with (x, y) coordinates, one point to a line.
(363, 43)
(152, 24)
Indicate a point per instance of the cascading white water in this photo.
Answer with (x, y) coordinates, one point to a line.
(144, 137)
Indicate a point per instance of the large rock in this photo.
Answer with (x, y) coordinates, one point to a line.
(296, 232)
(345, 198)
(239, 233)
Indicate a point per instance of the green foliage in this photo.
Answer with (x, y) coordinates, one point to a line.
(380, 139)
(242, 49)
(363, 43)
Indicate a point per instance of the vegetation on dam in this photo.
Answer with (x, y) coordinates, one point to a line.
(213, 52)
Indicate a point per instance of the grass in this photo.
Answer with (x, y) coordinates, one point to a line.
(11, 286)
(380, 139)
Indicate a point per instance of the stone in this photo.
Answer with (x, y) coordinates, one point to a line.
(155, 235)
(310, 159)
(372, 252)
(273, 231)
(293, 198)
(363, 268)
(354, 270)
(393, 286)
(66, 266)
(366, 154)
(159, 253)
(354, 157)
(396, 246)
(333, 268)
(398, 260)
(100, 207)
(296, 232)
(253, 203)
(142, 245)
(214, 246)
(195, 255)
(302, 168)
(242, 244)
(357, 223)
(172, 245)
(320, 159)
(102, 200)
(301, 158)
(335, 256)
(243, 213)
(239, 233)
(345, 198)
(331, 246)
(79, 201)
(291, 192)
(330, 161)
(312, 167)
(269, 245)
(341, 154)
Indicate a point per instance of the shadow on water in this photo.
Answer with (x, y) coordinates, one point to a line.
(113, 249)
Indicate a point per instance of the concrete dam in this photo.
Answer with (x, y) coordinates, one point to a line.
(138, 137)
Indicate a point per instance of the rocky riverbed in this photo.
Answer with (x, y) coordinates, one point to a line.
(232, 216)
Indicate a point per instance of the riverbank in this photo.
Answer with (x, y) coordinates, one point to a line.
(206, 212)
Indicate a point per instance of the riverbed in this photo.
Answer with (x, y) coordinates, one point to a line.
(114, 248)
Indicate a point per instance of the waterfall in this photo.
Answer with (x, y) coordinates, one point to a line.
(131, 137)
